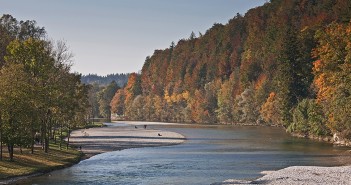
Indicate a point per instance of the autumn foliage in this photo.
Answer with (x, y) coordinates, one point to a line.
(256, 69)
(332, 71)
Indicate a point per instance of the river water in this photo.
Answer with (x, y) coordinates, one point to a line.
(210, 154)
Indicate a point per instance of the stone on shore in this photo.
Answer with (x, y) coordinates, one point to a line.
(300, 175)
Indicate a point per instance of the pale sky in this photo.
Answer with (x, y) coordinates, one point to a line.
(115, 36)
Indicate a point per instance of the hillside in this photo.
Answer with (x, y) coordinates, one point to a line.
(285, 63)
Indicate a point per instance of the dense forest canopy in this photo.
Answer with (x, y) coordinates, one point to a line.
(284, 63)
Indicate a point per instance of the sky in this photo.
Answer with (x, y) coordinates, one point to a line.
(115, 36)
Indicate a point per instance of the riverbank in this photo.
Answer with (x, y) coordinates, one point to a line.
(88, 142)
(298, 175)
(95, 141)
(26, 165)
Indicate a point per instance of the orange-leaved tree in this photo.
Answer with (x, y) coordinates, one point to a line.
(332, 71)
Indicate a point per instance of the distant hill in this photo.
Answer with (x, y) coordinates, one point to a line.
(120, 79)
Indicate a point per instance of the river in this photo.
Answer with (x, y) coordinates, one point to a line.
(210, 154)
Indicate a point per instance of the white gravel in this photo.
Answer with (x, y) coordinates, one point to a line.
(302, 175)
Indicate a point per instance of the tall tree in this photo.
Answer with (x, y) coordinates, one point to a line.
(332, 71)
(117, 103)
(35, 56)
(16, 106)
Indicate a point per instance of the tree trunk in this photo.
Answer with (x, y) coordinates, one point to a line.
(10, 149)
(54, 136)
(46, 144)
(48, 131)
(33, 137)
(60, 135)
(0, 139)
(68, 135)
(93, 118)
(47, 136)
(42, 134)
(1, 149)
(32, 144)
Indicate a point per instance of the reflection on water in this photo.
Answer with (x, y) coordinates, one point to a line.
(210, 154)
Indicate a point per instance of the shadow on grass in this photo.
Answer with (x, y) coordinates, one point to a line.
(39, 161)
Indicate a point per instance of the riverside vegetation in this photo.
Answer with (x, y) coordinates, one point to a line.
(41, 101)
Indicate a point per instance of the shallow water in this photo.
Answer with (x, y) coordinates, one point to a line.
(210, 154)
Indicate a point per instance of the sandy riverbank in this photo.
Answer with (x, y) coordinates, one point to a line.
(300, 175)
(132, 135)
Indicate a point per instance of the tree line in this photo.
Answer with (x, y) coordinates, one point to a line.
(99, 97)
(40, 98)
(101, 91)
(284, 63)
(120, 78)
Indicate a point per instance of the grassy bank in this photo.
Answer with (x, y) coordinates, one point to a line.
(26, 163)
(39, 162)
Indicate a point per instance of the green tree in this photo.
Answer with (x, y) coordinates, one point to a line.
(11, 29)
(36, 58)
(248, 106)
(105, 97)
(94, 89)
(39, 94)
(16, 106)
(308, 119)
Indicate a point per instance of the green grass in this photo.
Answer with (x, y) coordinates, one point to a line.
(27, 163)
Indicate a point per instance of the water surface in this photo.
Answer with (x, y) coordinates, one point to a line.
(210, 154)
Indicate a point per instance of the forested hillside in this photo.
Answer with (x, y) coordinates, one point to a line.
(287, 63)
(120, 79)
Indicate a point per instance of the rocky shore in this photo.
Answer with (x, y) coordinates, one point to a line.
(300, 175)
